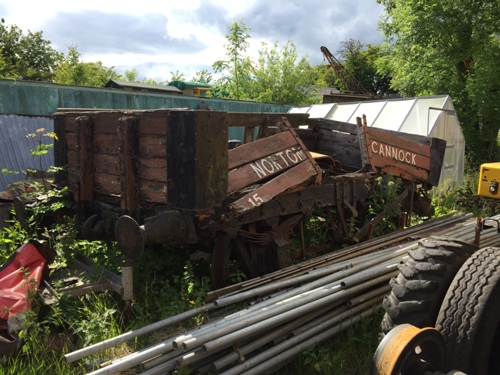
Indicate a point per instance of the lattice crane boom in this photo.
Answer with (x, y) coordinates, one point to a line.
(351, 84)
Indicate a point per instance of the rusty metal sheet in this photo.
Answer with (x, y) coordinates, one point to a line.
(289, 179)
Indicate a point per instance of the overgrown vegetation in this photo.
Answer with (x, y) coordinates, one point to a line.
(173, 283)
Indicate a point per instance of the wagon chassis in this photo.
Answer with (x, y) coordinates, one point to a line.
(167, 176)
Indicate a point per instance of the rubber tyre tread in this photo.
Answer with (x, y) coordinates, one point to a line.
(469, 319)
(419, 288)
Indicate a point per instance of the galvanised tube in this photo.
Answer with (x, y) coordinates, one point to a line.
(162, 368)
(318, 330)
(267, 320)
(313, 319)
(374, 298)
(275, 302)
(308, 294)
(195, 339)
(313, 274)
(159, 360)
(234, 356)
(100, 346)
(295, 350)
(135, 359)
(306, 288)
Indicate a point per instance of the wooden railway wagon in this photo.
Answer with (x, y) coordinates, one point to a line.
(168, 176)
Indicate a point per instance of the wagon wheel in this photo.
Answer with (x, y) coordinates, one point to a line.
(408, 350)
(230, 256)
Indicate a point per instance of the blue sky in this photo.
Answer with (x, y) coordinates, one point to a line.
(157, 38)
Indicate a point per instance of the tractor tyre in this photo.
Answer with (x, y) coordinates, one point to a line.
(419, 288)
(469, 319)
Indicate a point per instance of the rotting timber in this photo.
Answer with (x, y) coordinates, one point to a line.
(167, 176)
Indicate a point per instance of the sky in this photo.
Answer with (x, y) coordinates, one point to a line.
(159, 38)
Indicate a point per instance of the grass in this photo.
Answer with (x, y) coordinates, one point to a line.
(172, 284)
(348, 353)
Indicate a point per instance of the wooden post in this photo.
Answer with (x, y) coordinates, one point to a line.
(128, 140)
(84, 165)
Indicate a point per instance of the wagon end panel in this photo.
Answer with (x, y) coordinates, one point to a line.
(263, 169)
(412, 157)
(197, 160)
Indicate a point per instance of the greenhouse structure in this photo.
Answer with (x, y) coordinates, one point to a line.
(432, 116)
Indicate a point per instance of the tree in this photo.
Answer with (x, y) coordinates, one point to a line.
(278, 76)
(177, 76)
(73, 71)
(26, 56)
(237, 66)
(203, 76)
(281, 77)
(360, 60)
(130, 75)
(449, 47)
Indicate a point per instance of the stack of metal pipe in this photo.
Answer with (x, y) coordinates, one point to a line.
(280, 318)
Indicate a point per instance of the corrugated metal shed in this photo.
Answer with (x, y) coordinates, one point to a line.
(15, 146)
(23, 102)
(142, 87)
(43, 99)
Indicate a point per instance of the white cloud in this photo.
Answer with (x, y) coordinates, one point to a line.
(157, 37)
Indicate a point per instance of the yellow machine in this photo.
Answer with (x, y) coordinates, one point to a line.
(489, 180)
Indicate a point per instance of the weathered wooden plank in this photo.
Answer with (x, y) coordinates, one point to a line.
(107, 184)
(106, 144)
(289, 179)
(259, 149)
(107, 164)
(153, 146)
(153, 191)
(264, 168)
(376, 138)
(84, 158)
(259, 119)
(342, 147)
(128, 139)
(330, 125)
(381, 154)
(153, 169)
(152, 122)
(409, 157)
(197, 159)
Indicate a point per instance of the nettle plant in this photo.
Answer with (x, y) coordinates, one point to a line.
(40, 199)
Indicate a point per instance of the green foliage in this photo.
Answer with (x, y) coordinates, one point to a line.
(177, 76)
(11, 238)
(203, 76)
(348, 353)
(172, 284)
(26, 56)
(281, 77)
(384, 198)
(237, 67)
(73, 71)
(361, 61)
(449, 47)
(278, 75)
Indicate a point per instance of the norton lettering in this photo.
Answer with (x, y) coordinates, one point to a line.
(276, 162)
(394, 152)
